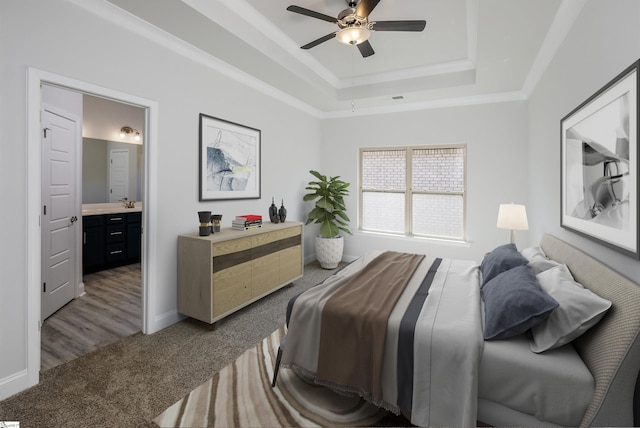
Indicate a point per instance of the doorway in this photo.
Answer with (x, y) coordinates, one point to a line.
(150, 323)
(90, 298)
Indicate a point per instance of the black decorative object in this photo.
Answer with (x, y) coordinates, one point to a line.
(282, 212)
(273, 212)
(205, 222)
(216, 220)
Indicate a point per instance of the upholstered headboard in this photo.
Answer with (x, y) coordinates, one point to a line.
(611, 349)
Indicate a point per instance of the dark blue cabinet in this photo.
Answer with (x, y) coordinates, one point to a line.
(111, 240)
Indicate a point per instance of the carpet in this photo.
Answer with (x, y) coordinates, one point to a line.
(241, 395)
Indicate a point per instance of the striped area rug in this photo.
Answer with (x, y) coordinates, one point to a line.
(240, 395)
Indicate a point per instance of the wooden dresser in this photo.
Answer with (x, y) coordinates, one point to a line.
(223, 272)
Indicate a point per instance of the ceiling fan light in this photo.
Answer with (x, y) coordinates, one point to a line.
(353, 35)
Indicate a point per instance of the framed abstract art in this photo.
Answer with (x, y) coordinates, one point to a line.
(229, 160)
(599, 165)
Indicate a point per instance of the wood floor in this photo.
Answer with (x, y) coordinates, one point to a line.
(110, 310)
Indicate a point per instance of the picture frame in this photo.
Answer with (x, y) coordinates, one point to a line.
(599, 165)
(229, 160)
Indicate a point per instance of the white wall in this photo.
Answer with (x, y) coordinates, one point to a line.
(604, 40)
(496, 137)
(59, 37)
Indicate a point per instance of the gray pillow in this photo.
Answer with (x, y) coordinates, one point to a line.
(499, 260)
(580, 309)
(513, 303)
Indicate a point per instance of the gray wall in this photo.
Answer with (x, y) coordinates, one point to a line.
(496, 138)
(603, 42)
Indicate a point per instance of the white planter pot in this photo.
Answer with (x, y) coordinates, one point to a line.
(329, 251)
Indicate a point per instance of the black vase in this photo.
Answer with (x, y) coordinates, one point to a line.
(216, 219)
(273, 213)
(205, 222)
(282, 213)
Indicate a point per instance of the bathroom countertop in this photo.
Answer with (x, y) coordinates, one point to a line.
(109, 208)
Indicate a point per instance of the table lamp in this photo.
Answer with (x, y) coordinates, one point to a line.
(512, 217)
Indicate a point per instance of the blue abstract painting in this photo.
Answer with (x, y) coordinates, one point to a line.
(230, 160)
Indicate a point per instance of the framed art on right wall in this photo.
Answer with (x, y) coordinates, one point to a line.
(599, 165)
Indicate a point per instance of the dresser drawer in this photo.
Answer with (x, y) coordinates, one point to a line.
(116, 252)
(114, 218)
(116, 233)
(231, 288)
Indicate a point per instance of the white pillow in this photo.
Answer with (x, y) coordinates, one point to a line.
(532, 252)
(579, 310)
(538, 261)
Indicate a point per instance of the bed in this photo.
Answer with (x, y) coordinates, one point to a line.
(429, 356)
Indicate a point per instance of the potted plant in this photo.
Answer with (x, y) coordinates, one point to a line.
(330, 212)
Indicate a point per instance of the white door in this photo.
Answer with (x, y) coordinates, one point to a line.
(118, 175)
(59, 219)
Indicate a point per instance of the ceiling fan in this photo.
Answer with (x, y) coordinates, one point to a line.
(354, 24)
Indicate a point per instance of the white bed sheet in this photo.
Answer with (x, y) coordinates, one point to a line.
(554, 386)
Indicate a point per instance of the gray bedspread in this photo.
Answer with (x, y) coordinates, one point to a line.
(432, 347)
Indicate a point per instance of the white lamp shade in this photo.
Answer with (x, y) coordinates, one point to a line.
(513, 217)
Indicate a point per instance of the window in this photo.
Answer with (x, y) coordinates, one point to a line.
(417, 191)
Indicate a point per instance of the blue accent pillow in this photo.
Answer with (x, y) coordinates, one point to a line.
(501, 259)
(513, 303)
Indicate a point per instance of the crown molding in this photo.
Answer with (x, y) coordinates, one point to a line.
(242, 20)
(110, 12)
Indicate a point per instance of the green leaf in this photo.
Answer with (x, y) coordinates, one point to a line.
(342, 215)
(329, 230)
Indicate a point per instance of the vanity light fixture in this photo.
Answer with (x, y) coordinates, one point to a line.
(126, 131)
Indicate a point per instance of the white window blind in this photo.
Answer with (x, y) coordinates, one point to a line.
(413, 191)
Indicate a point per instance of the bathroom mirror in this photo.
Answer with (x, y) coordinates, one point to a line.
(111, 170)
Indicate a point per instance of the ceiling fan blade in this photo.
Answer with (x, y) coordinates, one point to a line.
(365, 49)
(398, 25)
(311, 13)
(318, 41)
(365, 7)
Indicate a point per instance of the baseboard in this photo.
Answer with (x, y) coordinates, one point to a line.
(13, 384)
(165, 320)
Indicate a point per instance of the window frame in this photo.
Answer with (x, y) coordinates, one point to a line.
(409, 192)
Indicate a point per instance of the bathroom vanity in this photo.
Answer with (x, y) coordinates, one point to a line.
(112, 236)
